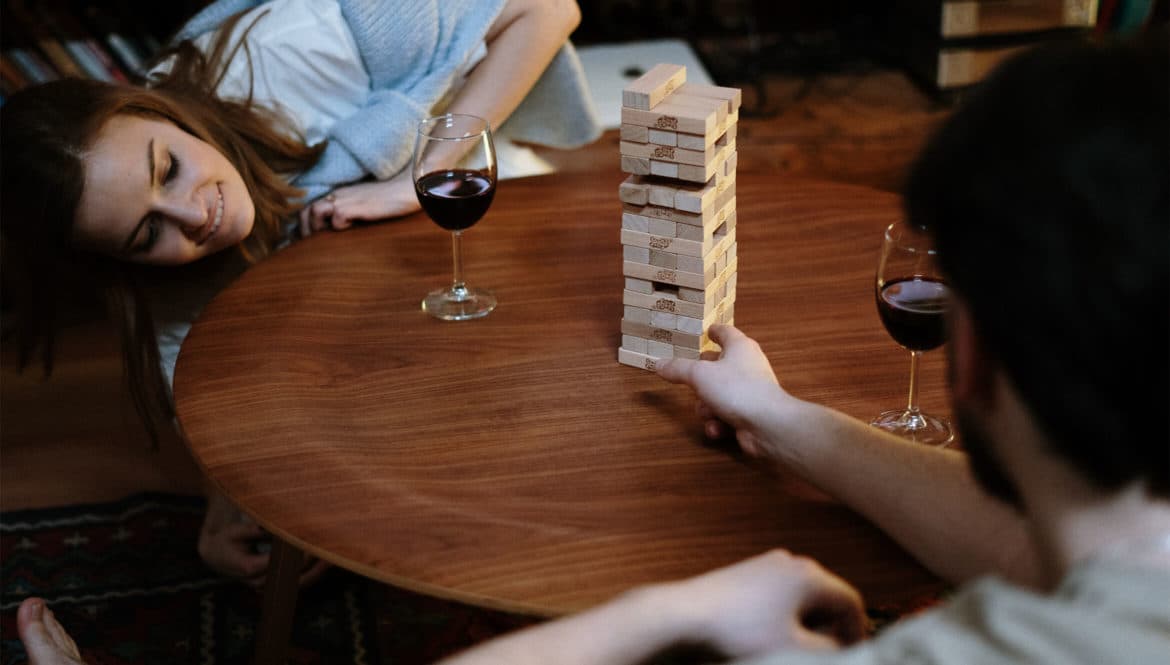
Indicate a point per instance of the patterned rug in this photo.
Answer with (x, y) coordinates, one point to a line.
(126, 581)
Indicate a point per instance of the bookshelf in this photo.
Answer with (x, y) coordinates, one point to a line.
(111, 40)
(950, 45)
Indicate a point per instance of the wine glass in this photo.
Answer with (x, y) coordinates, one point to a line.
(912, 300)
(454, 172)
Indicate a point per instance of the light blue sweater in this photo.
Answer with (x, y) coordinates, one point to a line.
(412, 50)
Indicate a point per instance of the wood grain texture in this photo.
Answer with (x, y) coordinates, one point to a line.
(511, 461)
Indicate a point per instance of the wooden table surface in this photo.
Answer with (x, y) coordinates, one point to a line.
(511, 462)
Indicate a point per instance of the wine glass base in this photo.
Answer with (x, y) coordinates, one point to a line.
(918, 427)
(451, 305)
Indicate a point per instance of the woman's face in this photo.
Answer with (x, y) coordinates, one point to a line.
(155, 194)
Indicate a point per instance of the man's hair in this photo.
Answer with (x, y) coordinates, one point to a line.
(1048, 192)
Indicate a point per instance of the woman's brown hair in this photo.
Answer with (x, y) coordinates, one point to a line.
(45, 132)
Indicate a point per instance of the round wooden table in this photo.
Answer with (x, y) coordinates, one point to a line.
(511, 462)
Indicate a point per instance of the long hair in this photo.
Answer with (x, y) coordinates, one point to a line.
(45, 132)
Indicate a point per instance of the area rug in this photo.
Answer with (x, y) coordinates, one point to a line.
(126, 581)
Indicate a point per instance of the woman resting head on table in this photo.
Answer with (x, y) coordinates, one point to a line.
(262, 123)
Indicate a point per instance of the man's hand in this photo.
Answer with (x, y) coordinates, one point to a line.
(737, 389)
(771, 601)
(368, 201)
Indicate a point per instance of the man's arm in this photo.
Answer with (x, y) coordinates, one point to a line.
(925, 498)
(772, 601)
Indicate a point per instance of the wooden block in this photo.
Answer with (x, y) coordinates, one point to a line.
(636, 314)
(639, 360)
(666, 153)
(662, 227)
(721, 108)
(635, 133)
(641, 239)
(688, 263)
(665, 169)
(664, 320)
(732, 161)
(732, 96)
(672, 337)
(688, 240)
(661, 195)
(689, 354)
(703, 173)
(692, 233)
(639, 254)
(635, 222)
(634, 191)
(708, 218)
(635, 344)
(643, 286)
(668, 302)
(659, 349)
(655, 274)
(657, 257)
(689, 325)
(728, 136)
(660, 137)
(635, 165)
(674, 118)
(645, 92)
(694, 198)
(731, 220)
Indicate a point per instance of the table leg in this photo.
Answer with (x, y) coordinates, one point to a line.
(280, 603)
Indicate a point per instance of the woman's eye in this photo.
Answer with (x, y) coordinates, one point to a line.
(152, 231)
(173, 169)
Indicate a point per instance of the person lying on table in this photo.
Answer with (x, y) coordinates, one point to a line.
(265, 122)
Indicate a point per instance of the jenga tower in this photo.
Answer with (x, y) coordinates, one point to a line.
(678, 215)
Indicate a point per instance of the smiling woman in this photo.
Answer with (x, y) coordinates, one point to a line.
(263, 122)
(156, 194)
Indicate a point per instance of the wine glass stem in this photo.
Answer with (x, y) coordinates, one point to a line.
(457, 286)
(912, 401)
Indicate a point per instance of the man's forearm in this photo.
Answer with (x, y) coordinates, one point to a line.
(924, 498)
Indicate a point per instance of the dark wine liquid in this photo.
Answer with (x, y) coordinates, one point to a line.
(455, 199)
(912, 310)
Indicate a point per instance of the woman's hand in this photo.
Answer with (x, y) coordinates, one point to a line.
(367, 201)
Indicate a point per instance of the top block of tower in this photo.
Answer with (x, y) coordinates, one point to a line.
(650, 88)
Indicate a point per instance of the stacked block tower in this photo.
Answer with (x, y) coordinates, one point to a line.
(678, 215)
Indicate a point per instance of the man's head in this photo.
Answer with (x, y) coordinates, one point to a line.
(1048, 191)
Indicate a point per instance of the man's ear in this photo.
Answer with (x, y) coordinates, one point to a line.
(972, 370)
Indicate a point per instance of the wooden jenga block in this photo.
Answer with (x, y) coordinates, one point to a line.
(639, 360)
(667, 153)
(635, 165)
(635, 133)
(732, 161)
(645, 92)
(659, 137)
(636, 314)
(661, 194)
(636, 344)
(643, 286)
(695, 198)
(701, 173)
(720, 106)
(708, 218)
(665, 275)
(671, 337)
(689, 119)
(632, 221)
(634, 190)
(733, 96)
(634, 253)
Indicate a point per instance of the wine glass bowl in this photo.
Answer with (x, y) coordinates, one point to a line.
(454, 173)
(912, 300)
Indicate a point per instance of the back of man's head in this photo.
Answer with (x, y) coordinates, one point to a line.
(1049, 193)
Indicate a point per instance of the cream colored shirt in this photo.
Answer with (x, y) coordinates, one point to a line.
(1103, 613)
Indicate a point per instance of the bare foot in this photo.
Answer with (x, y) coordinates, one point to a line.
(45, 641)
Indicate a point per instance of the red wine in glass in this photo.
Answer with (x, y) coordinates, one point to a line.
(454, 173)
(455, 199)
(912, 309)
(912, 300)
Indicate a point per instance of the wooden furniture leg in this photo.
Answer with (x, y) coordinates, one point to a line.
(280, 603)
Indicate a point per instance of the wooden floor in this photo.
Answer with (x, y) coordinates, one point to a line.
(74, 438)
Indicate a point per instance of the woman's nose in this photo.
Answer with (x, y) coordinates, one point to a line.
(188, 212)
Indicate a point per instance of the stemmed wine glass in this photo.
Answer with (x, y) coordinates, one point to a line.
(912, 301)
(454, 172)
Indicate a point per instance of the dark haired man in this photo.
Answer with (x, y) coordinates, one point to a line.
(1048, 192)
